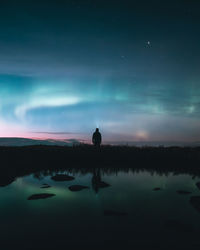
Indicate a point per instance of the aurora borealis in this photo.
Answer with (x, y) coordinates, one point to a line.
(130, 68)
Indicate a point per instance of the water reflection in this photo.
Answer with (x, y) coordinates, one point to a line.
(100, 208)
(11, 172)
(97, 182)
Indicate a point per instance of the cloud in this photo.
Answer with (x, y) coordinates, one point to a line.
(56, 133)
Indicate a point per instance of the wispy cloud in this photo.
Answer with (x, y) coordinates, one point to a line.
(56, 133)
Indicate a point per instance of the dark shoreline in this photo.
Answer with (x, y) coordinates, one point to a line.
(21, 161)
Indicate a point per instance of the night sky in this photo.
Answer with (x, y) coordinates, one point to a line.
(131, 68)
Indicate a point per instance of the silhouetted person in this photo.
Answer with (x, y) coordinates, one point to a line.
(96, 138)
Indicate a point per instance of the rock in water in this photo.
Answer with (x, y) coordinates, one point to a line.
(183, 192)
(195, 202)
(62, 177)
(45, 186)
(198, 185)
(76, 188)
(40, 196)
(103, 184)
(114, 213)
(157, 189)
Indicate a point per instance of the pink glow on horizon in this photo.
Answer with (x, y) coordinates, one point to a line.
(11, 130)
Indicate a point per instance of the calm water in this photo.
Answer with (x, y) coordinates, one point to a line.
(77, 219)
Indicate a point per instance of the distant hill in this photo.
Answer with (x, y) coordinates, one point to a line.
(154, 143)
(17, 141)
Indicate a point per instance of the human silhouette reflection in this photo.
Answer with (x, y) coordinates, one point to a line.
(96, 138)
(97, 183)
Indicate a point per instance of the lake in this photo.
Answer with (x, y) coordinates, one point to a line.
(118, 209)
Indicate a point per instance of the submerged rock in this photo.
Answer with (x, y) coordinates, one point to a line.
(198, 185)
(157, 189)
(45, 186)
(114, 213)
(75, 188)
(40, 196)
(62, 177)
(195, 202)
(183, 192)
(97, 184)
(178, 226)
(103, 184)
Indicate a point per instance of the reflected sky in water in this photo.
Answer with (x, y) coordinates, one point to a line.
(77, 218)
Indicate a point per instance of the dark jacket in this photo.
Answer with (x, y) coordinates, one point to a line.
(96, 138)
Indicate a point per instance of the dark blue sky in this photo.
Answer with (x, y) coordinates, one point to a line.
(129, 67)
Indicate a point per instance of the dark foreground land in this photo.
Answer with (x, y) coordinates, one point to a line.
(20, 161)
